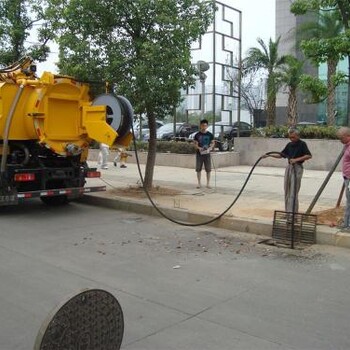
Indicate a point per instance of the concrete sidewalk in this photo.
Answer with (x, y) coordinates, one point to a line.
(178, 196)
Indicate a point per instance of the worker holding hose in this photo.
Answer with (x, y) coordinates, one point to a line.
(344, 137)
(297, 152)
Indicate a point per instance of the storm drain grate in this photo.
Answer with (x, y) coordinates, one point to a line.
(297, 228)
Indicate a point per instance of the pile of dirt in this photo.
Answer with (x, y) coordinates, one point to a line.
(330, 217)
(139, 192)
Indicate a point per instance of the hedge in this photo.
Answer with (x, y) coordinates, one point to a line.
(306, 132)
(182, 147)
(179, 147)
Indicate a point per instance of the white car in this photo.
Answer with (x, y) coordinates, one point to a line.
(145, 129)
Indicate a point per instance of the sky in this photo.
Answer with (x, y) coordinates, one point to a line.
(258, 20)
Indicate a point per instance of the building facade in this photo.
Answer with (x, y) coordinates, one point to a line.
(287, 25)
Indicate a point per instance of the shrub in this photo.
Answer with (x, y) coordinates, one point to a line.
(306, 132)
(166, 147)
(318, 132)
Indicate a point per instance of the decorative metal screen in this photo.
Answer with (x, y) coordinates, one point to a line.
(221, 48)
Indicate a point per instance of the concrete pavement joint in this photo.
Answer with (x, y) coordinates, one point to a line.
(191, 316)
(246, 333)
(197, 315)
(160, 330)
(244, 173)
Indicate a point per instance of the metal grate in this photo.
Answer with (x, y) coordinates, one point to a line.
(289, 228)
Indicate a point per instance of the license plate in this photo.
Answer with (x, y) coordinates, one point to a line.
(8, 199)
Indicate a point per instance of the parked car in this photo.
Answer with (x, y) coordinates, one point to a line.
(182, 131)
(225, 133)
(145, 129)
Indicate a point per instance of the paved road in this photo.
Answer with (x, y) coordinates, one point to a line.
(180, 288)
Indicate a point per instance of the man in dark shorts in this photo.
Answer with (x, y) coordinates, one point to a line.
(296, 151)
(204, 143)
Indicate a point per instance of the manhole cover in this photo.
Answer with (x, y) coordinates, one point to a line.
(91, 320)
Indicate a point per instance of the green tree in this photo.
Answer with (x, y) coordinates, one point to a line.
(320, 39)
(290, 76)
(142, 45)
(17, 20)
(250, 86)
(266, 57)
(331, 48)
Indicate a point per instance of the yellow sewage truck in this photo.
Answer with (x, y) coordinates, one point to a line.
(46, 127)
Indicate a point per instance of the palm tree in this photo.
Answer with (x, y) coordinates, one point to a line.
(327, 27)
(266, 57)
(290, 76)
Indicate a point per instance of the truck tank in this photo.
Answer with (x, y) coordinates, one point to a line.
(46, 127)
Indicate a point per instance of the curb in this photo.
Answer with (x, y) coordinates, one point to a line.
(183, 215)
(324, 235)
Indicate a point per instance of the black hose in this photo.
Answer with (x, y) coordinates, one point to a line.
(83, 81)
(188, 223)
(7, 128)
(16, 65)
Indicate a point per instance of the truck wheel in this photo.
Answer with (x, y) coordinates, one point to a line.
(55, 200)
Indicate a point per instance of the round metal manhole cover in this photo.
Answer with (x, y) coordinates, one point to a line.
(91, 320)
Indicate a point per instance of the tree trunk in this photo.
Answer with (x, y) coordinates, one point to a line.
(345, 15)
(331, 70)
(292, 110)
(271, 110)
(151, 157)
(271, 99)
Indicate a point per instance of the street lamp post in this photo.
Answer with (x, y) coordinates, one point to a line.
(202, 67)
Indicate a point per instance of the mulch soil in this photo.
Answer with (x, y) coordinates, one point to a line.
(330, 217)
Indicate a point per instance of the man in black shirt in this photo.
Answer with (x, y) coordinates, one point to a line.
(296, 151)
(204, 143)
